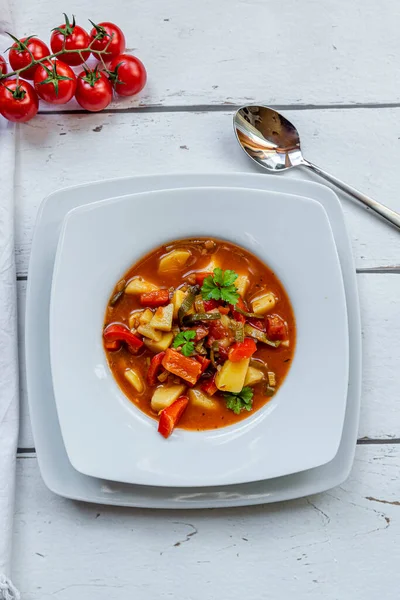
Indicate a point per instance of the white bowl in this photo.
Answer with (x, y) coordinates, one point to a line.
(107, 436)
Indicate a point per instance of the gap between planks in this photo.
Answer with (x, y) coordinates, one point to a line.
(230, 106)
(360, 442)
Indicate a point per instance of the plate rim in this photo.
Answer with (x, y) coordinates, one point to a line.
(80, 487)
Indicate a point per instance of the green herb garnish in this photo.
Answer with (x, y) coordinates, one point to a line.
(183, 339)
(241, 401)
(221, 286)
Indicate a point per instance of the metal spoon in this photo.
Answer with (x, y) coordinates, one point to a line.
(274, 143)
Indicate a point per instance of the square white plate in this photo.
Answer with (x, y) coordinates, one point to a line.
(105, 434)
(56, 470)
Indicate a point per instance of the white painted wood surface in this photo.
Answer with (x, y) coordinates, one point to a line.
(60, 150)
(239, 51)
(203, 59)
(337, 545)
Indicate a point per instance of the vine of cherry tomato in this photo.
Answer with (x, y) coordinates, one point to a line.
(52, 70)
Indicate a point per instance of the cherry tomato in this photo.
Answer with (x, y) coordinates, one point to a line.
(93, 90)
(55, 82)
(110, 36)
(18, 101)
(20, 56)
(3, 66)
(74, 38)
(127, 74)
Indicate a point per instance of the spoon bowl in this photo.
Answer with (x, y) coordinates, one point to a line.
(273, 142)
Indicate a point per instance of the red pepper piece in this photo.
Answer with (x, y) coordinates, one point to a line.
(209, 386)
(242, 350)
(112, 346)
(276, 327)
(187, 368)
(155, 298)
(210, 305)
(205, 362)
(117, 332)
(154, 368)
(237, 315)
(201, 333)
(257, 323)
(169, 417)
(217, 330)
(200, 277)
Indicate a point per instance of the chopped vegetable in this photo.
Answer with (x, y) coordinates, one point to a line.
(120, 333)
(112, 346)
(221, 286)
(185, 339)
(242, 350)
(271, 379)
(162, 345)
(238, 330)
(199, 304)
(187, 302)
(174, 260)
(211, 304)
(149, 332)
(165, 395)
(202, 400)
(192, 319)
(154, 368)
(201, 333)
(116, 297)
(242, 284)
(269, 391)
(154, 299)
(146, 317)
(177, 300)
(253, 376)
(232, 375)
(209, 386)
(205, 362)
(259, 335)
(162, 319)
(263, 304)
(276, 327)
(170, 416)
(134, 379)
(188, 369)
(242, 400)
(138, 285)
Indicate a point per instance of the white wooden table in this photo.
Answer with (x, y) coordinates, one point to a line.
(332, 68)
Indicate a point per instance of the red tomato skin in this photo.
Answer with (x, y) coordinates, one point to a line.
(3, 66)
(96, 97)
(19, 60)
(66, 88)
(78, 39)
(117, 44)
(131, 72)
(18, 110)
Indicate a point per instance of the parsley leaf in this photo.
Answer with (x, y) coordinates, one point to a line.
(183, 339)
(220, 286)
(241, 401)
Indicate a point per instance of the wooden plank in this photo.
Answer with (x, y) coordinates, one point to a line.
(62, 150)
(248, 51)
(380, 306)
(306, 545)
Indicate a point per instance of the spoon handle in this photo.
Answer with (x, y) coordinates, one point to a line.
(385, 212)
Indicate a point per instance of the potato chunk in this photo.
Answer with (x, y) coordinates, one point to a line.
(162, 344)
(149, 332)
(173, 260)
(253, 376)
(242, 284)
(263, 304)
(138, 285)
(232, 376)
(165, 395)
(202, 400)
(146, 317)
(162, 318)
(134, 378)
